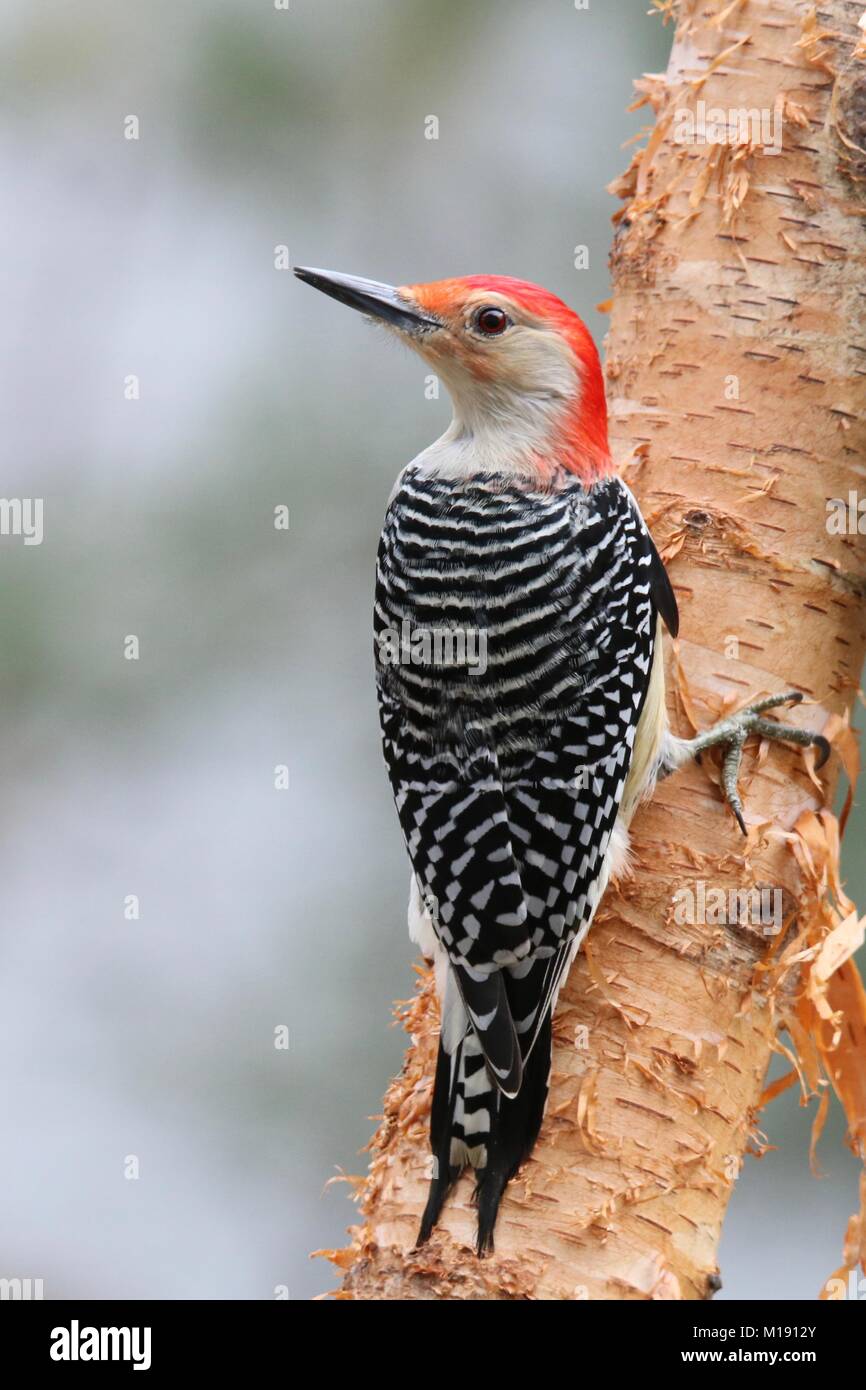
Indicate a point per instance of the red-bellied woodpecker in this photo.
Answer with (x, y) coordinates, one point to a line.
(518, 640)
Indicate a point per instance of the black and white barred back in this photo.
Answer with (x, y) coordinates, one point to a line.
(508, 756)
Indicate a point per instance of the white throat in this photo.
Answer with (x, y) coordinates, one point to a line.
(500, 428)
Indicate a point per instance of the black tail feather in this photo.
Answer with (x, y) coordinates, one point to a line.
(515, 1129)
(441, 1112)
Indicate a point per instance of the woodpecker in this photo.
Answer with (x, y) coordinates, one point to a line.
(518, 617)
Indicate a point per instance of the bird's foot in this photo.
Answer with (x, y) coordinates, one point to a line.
(732, 734)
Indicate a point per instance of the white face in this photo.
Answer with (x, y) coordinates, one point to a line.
(511, 379)
(491, 344)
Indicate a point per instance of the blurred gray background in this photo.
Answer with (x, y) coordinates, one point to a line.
(258, 908)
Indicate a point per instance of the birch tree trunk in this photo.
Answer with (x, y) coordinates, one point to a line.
(736, 365)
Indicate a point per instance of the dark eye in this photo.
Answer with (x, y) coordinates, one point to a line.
(491, 321)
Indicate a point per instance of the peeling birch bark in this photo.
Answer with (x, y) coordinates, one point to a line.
(736, 372)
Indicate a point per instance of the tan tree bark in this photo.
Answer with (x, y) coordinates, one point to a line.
(736, 366)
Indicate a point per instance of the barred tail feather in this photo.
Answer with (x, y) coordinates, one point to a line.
(443, 1177)
(464, 1101)
(473, 1124)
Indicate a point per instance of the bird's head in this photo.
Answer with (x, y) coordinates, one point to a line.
(520, 366)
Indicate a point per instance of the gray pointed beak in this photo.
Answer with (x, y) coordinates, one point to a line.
(379, 301)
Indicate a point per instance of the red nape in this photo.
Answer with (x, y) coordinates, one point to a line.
(586, 450)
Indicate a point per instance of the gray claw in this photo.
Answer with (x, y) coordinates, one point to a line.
(733, 732)
(730, 772)
(823, 747)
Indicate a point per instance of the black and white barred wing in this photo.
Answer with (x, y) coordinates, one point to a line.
(508, 771)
